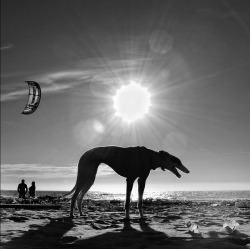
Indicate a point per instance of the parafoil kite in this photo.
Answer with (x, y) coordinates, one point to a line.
(33, 98)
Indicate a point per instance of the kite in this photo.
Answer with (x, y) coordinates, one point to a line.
(33, 98)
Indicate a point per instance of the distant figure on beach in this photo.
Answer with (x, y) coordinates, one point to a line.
(131, 163)
(32, 190)
(22, 189)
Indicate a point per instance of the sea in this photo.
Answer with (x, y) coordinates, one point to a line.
(168, 195)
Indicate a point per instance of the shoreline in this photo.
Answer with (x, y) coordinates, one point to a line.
(167, 195)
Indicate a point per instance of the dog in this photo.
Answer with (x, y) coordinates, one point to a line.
(131, 163)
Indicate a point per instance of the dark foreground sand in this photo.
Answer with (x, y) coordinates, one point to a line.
(103, 226)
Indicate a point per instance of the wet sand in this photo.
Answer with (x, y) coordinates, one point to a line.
(103, 225)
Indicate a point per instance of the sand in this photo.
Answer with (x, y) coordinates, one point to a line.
(103, 226)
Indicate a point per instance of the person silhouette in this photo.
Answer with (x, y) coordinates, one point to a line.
(32, 190)
(22, 189)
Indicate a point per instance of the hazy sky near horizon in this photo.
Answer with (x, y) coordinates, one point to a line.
(193, 56)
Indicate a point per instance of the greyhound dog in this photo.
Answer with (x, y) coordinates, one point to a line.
(131, 163)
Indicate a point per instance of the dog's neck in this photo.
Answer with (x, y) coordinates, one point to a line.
(156, 160)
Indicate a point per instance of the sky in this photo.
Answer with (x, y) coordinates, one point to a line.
(192, 56)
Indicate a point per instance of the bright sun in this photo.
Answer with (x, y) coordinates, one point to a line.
(132, 102)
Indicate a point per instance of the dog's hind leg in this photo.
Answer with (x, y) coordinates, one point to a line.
(73, 201)
(85, 178)
(87, 184)
(79, 202)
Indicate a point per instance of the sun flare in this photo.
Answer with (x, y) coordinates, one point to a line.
(132, 102)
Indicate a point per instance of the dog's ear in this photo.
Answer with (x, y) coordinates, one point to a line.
(164, 155)
(175, 159)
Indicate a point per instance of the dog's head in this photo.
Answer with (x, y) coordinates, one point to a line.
(171, 162)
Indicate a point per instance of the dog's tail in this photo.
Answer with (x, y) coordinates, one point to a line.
(70, 192)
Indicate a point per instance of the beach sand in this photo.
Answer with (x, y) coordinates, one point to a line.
(103, 226)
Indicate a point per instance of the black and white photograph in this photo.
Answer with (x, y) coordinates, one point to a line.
(125, 124)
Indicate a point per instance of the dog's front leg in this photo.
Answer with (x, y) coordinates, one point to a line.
(141, 187)
(130, 183)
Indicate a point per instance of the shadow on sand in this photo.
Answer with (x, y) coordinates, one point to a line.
(125, 235)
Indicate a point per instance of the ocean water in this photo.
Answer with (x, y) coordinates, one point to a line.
(169, 195)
